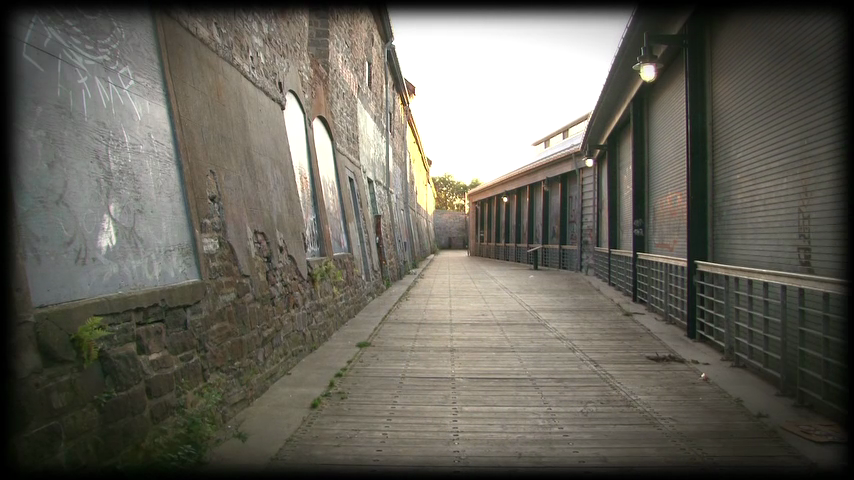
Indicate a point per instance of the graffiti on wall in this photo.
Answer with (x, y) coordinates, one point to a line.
(668, 221)
(97, 184)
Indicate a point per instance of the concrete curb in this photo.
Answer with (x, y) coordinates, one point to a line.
(759, 396)
(273, 417)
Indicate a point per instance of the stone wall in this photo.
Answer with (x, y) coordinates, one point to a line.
(258, 309)
(450, 229)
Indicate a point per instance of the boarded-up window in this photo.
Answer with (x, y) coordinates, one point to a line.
(298, 141)
(329, 184)
(97, 185)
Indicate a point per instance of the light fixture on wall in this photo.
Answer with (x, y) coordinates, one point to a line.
(589, 159)
(648, 65)
(504, 197)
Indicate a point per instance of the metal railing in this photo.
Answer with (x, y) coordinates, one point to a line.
(621, 270)
(600, 263)
(551, 256)
(662, 286)
(569, 257)
(790, 327)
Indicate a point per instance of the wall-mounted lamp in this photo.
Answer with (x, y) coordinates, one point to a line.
(589, 159)
(504, 197)
(648, 65)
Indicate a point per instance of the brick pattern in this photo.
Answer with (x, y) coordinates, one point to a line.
(260, 314)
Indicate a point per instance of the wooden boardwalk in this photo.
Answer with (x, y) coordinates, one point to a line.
(488, 365)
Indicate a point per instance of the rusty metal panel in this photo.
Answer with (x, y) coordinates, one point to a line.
(97, 182)
(778, 139)
(667, 225)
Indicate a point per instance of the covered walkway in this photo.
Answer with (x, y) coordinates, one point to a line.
(487, 364)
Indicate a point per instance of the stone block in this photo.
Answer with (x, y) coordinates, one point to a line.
(33, 449)
(57, 399)
(54, 342)
(180, 342)
(153, 314)
(160, 385)
(80, 422)
(161, 409)
(81, 454)
(116, 438)
(122, 367)
(151, 338)
(220, 333)
(176, 319)
(161, 361)
(124, 405)
(190, 374)
(26, 359)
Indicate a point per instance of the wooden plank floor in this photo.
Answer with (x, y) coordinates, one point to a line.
(488, 365)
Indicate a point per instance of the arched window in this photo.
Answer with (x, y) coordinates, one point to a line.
(329, 184)
(298, 140)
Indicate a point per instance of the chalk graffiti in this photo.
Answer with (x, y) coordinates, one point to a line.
(87, 56)
(97, 191)
(668, 221)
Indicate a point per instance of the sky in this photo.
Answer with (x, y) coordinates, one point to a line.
(488, 84)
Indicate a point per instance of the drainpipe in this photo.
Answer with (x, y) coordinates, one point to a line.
(386, 49)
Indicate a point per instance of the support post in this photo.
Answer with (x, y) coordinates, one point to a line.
(697, 181)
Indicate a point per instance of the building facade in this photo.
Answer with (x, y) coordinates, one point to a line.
(718, 189)
(544, 208)
(220, 190)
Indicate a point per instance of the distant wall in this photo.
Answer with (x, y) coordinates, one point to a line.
(449, 229)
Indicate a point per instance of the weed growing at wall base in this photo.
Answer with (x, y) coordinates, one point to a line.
(85, 338)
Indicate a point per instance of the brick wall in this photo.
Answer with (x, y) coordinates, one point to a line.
(450, 229)
(257, 311)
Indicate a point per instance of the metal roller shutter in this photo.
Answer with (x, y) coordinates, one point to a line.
(624, 199)
(537, 223)
(572, 209)
(668, 202)
(603, 203)
(778, 90)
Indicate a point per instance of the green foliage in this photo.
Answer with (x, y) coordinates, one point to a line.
(103, 398)
(185, 440)
(450, 193)
(316, 402)
(387, 283)
(326, 271)
(242, 436)
(363, 344)
(332, 383)
(85, 339)
(339, 374)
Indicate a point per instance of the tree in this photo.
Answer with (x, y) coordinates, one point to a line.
(450, 193)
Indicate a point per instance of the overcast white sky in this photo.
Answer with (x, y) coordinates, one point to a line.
(490, 83)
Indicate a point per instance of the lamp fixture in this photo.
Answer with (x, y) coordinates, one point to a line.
(648, 65)
(504, 197)
(589, 159)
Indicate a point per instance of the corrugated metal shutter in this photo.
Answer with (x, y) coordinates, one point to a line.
(603, 203)
(572, 209)
(668, 203)
(624, 200)
(553, 234)
(778, 97)
(524, 199)
(587, 214)
(537, 221)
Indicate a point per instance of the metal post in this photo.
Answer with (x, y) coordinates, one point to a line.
(784, 378)
(729, 346)
(666, 294)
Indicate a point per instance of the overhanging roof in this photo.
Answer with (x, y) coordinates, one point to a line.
(545, 158)
(623, 82)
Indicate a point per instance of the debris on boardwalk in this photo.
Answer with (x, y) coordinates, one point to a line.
(665, 358)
